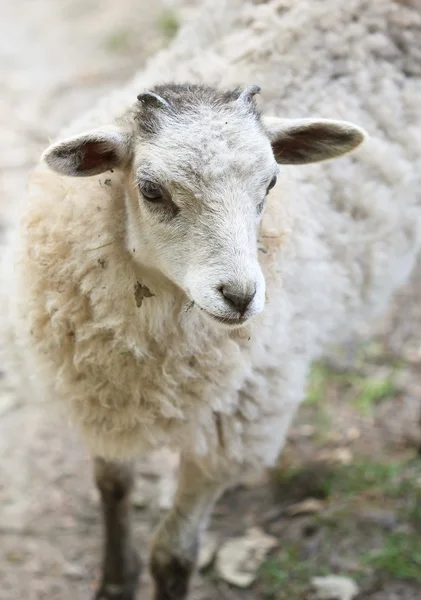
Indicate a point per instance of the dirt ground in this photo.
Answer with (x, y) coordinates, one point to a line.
(354, 447)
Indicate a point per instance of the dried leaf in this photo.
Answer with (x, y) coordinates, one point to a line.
(310, 506)
(239, 559)
(140, 292)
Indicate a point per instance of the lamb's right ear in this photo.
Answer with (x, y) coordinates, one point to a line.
(89, 153)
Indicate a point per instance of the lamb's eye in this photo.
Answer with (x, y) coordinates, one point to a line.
(151, 191)
(158, 200)
(272, 183)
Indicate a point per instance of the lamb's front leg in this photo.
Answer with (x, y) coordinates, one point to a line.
(121, 565)
(176, 543)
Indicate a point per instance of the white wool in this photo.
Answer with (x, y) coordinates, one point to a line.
(338, 238)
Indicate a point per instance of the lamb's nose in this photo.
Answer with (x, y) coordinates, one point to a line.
(239, 301)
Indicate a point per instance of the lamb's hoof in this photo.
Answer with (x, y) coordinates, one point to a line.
(122, 591)
(171, 576)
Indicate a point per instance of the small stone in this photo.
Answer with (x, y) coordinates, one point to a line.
(335, 587)
(343, 456)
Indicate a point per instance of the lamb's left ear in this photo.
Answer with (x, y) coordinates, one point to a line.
(89, 153)
(300, 141)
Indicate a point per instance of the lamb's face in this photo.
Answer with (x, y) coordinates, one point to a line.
(199, 164)
(200, 188)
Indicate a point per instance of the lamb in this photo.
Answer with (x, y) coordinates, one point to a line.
(169, 284)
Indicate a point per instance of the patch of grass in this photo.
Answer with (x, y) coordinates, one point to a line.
(391, 553)
(286, 576)
(168, 24)
(409, 492)
(361, 476)
(388, 552)
(372, 391)
(323, 426)
(400, 557)
(366, 391)
(415, 511)
(118, 41)
(274, 572)
(296, 484)
(319, 380)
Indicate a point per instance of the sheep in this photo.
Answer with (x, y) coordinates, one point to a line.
(169, 284)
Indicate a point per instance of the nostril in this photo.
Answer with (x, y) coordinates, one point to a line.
(238, 301)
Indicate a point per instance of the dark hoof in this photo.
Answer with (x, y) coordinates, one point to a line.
(125, 590)
(171, 576)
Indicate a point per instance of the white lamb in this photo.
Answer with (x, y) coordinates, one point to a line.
(149, 298)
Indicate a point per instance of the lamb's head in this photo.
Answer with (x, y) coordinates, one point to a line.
(199, 164)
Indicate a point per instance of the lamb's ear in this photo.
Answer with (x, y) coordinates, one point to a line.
(300, 141)
(89, 153)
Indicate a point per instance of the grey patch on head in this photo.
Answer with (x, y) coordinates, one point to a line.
(248, 94)
(102, 262)
(140, 292)
(181, 99)
(152, 99)
(108, 182)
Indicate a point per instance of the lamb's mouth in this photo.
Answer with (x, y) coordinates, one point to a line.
(226, 321)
